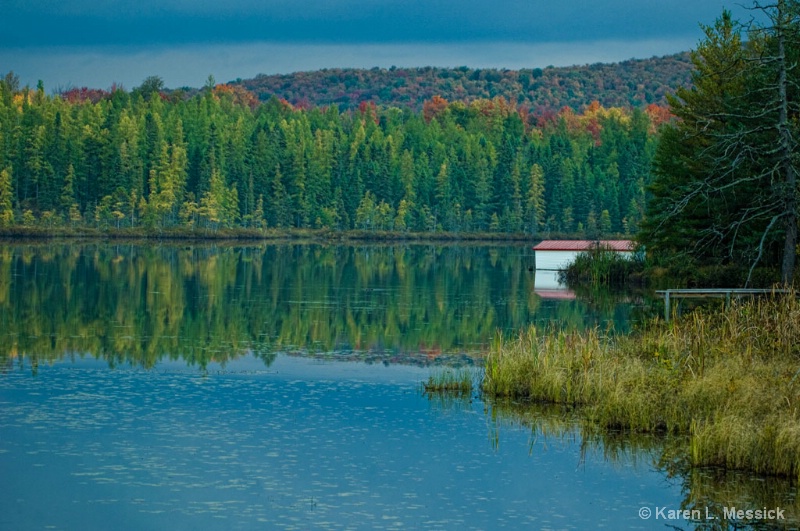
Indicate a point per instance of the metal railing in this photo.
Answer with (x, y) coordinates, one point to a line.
(727, 293)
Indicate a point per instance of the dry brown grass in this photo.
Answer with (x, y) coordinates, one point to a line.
(730, 379)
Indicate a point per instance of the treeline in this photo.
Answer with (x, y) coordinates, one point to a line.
(628, 84)
(147, 158)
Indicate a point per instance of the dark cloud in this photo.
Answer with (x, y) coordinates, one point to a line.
(190, 65)
(96, 43)
(116, 22)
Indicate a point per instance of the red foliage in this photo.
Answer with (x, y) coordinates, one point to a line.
(302, 104)
(368, 109)
(545, 117)
(593, 127)
(84, 94)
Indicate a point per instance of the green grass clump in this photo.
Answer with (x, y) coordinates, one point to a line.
(458, 381)
(729, 379)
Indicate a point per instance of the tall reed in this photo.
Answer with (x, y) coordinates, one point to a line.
(729, 379)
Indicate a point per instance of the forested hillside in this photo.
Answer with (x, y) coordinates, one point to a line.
(222, 159)
(628, 84)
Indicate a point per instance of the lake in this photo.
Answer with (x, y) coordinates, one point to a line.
(279, 387)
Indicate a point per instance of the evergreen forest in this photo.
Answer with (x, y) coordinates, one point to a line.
(220, 158)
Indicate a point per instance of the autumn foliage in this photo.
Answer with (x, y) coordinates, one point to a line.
(217, 157)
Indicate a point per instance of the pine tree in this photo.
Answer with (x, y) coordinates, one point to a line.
(605, 223)
(535, 207)
(6, 196)
(279, 208)
(725, 187)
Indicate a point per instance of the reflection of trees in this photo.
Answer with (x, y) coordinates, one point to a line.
(139, 304)
(620, 306)
(701, 487)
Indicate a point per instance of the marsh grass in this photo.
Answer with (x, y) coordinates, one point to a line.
(729, 379)
(603, 267)
(450, 380)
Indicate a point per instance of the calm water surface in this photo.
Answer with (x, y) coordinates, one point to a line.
(278, 387)
(301, 444)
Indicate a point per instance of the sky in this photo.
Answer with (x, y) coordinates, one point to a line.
(75, 43)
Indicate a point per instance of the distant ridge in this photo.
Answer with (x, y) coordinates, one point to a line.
(632, 83)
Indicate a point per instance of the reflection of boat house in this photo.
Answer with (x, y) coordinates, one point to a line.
(557, 255)
(547, 286)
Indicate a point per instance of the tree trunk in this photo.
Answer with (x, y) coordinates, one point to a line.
(787, 168)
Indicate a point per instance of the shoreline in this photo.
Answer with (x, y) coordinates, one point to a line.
(266, 235)
(728, 380)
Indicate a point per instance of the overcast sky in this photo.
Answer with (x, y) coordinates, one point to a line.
(96, 43)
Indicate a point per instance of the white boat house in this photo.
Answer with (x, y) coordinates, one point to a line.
(557, 255)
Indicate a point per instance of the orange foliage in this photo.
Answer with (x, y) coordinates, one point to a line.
(238, 94)
(433, 108)
(591, 120)
(658, 115)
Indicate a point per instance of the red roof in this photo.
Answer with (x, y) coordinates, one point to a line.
(583, 245)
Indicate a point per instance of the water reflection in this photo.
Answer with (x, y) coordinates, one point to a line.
(270, 431)
(140, 304)
(705, 492)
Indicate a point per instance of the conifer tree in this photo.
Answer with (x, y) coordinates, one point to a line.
(6, 196)
(725, 187)
(535, 207)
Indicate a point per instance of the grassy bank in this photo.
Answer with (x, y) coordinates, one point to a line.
(730, 380)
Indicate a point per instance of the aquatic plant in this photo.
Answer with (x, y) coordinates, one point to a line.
(729, 379)
(449, 380)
